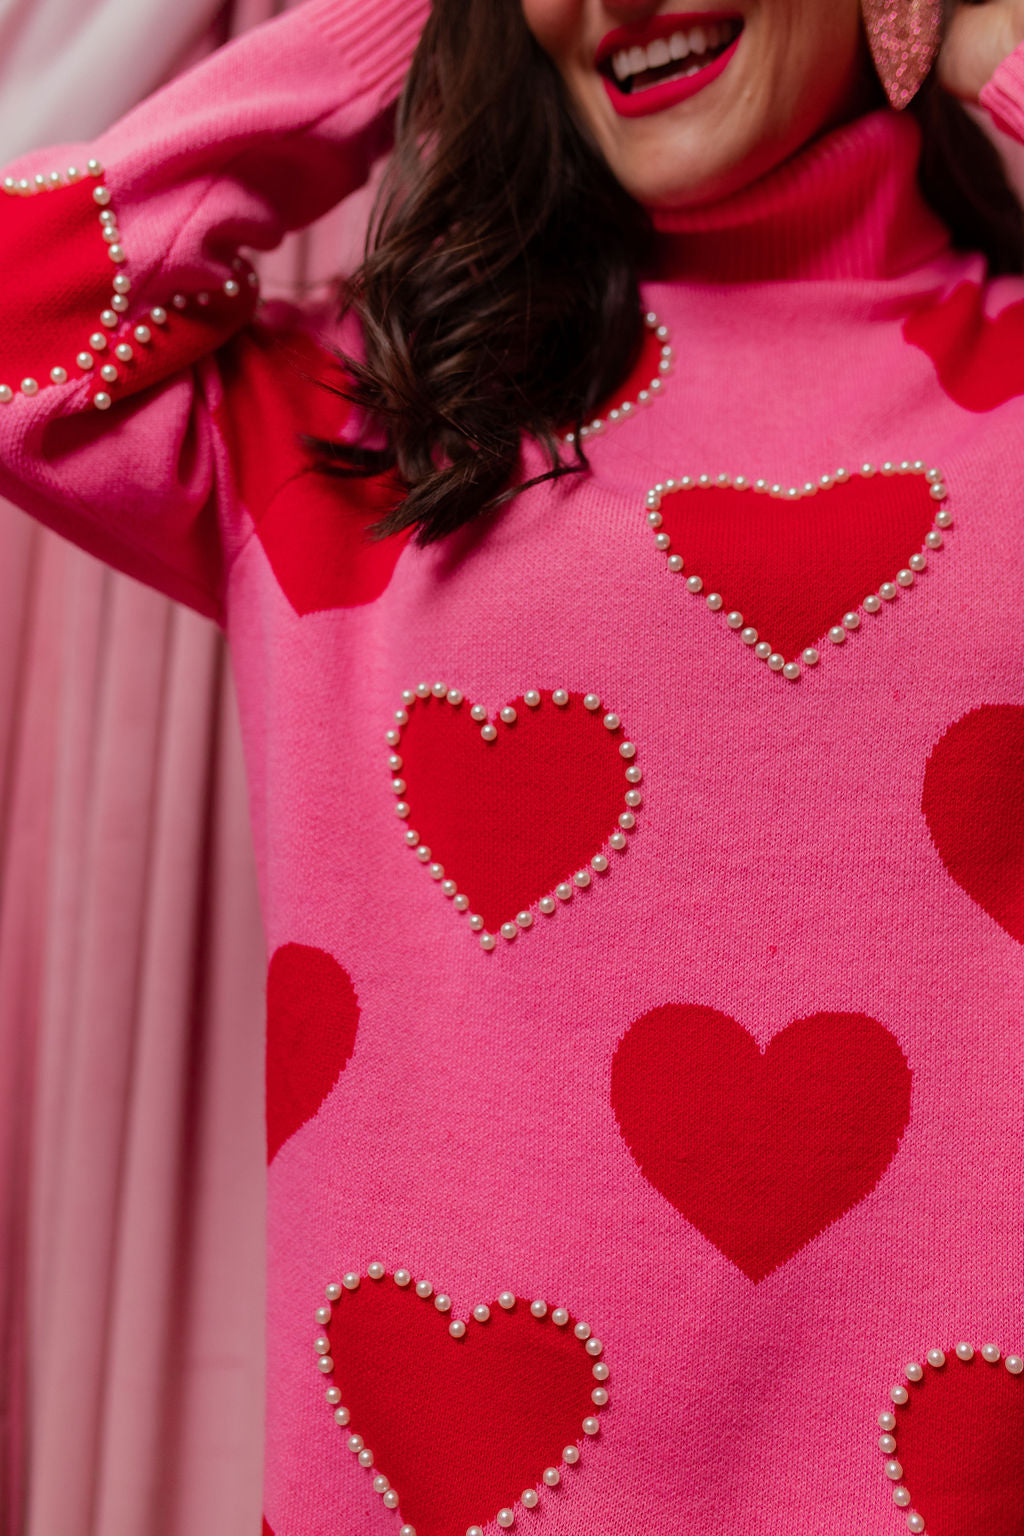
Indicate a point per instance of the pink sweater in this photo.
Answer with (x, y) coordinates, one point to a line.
(643, 870)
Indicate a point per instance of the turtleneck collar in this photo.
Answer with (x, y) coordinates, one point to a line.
(846, 207)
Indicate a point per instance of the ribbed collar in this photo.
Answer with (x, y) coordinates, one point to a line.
(847, 207)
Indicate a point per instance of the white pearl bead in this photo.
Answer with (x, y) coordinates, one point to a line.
(901, 1496)
(482, 1313)
(531, 698)
(734, 619)
(442, 1302)
(143, 334)
(763, 650)
(1014, 1364)
(888, 468)
(617, 841)
(101, 196)
(478, 713)
(560, 1317)
(965, 1351)
(333, 1395)
(887, 591)
(546, 905)
(893, 1470)
(914, 1371)
(791, 671)
(524, 919)
(714, 601)
(776, 662)
(476, 922)
(867, 470)
(6, 394)
(454, 697)
(899, 1394)
(424, 1289)
(449, 888)
(837, 634)
(381, 1483)
(943, 518)
(509, 931)
(582, 878)
(365, 1459)
(322, 1346)
(529, 1498)
(600, 1371)
(109, 373)
(402, 1277)
(810, 657)
(29, 387)
(325, 1364)
(654, 517)
(627, 821)
(508, 715)
(59, 375)
(599, 863)
(341, 1416)
(918, 562)
(851, 620)
(905, 578)
(990, 1352)
(539, 1308)
(886, 1420)
(599, 1397)
(872, 603)
(582, 1331)
(634, 775)
(749, 637)
(560, 697)
(102, 401)
(612, 722)
(457, 1329)
(627, 749)
(123, 352)
(461, 903)
(489, 732)
(563, 891)
(390, 1499)
(591, 1426)
(938, 491)
(507, 1300)
(933, 539)
(936, 1359)
(158, 316)
(694, 584)
(675, 564)
(662, 541)
(505, 1518)
(488, 941)
(887, 1444)
(551, 1477)
(332, 1291)
(355, 1444)
(915, 1522)
(350, 1281)
(407, 1530)
(591, 702)
(475, 1530)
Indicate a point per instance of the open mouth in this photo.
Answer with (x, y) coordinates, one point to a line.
(675, 55)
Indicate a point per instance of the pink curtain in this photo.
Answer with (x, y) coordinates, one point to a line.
(131, 965)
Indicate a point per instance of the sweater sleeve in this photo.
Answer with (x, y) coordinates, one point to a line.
(125, 283)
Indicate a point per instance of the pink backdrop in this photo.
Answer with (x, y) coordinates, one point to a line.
(131, 958)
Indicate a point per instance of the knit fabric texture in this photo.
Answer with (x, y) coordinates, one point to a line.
(642, 869)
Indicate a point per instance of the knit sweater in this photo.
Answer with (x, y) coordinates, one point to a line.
(642, 869)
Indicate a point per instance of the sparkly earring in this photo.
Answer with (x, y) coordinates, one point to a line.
(904, 37)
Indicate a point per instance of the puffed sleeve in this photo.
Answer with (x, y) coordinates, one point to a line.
(125, 282)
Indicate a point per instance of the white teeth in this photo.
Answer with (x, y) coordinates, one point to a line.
(620, 64)
(637, 60)
(698, 40)
(695, 42)
(679, 46)
(658, 53)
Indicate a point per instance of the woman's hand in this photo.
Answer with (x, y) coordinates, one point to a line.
(979, 38)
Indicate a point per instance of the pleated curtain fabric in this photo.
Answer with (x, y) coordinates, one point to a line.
(132, 965)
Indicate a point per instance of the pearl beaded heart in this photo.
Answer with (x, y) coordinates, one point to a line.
(639, 389)
(785, 581)
(516, 814)
(514, 1387)
(954, 1429)
(112, 344)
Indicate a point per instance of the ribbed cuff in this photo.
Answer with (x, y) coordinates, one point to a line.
(1004, 95)
(378, 40)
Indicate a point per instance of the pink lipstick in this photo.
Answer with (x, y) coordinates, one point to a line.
(649, 68)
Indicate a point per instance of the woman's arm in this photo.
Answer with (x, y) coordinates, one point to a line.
(122, 272)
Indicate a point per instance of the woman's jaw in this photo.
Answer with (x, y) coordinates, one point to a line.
(688, 106)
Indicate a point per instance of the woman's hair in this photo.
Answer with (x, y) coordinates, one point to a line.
(498, 297)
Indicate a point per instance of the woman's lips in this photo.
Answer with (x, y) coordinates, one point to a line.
(675, 31)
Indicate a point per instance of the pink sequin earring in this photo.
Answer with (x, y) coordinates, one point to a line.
(904, 36)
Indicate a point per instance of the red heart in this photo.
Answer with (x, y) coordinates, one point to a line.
(960, 1442)
(979, 362)
(973, 802)
(461, 1427)
(278, 386)
(312, 1018)
(511, 819)
(760, 1150)
(793, 568)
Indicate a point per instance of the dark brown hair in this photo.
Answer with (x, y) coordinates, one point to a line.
(499, 295)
